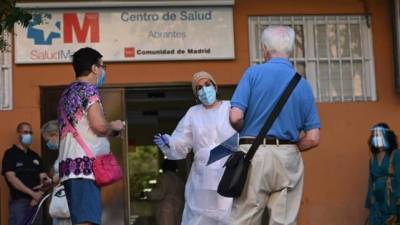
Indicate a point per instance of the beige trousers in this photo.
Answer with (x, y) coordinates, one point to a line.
(275, 180)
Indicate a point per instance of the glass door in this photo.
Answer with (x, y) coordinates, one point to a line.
(114, 197)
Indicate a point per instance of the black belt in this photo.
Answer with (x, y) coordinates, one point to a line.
(266, 141)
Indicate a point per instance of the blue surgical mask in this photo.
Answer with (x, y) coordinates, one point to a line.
(101, 79)
(26, 139)
(207, 95)
(51, 145)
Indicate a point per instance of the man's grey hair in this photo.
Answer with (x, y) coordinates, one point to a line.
(278, 39)
(49, 126)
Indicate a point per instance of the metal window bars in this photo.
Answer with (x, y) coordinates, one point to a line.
(337, 54)
(6, 78)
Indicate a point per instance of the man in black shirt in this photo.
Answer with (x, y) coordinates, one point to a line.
(24, 173)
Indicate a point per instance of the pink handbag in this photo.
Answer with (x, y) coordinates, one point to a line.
(106, 170)
(105, 167)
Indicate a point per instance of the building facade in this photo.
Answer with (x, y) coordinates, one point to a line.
(345, 48)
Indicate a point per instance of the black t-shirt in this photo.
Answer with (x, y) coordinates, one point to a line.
(27, 167)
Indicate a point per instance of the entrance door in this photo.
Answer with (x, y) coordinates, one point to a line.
(115, 196)
(153, 110)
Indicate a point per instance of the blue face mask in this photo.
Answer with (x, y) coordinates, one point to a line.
(101, 79)
(26, 139)
(51, 145)
(207, 95)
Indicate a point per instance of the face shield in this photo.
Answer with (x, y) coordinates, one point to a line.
(379, 137)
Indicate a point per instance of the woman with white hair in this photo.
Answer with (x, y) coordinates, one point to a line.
(204, 127)
(50, 134)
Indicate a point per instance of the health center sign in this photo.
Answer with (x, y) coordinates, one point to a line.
(136, 34)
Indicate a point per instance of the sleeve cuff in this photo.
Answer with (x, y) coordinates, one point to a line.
(312, 126)
(92, 100)
(238, 105)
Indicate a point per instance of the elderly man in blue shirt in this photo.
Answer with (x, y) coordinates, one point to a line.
(275, 178)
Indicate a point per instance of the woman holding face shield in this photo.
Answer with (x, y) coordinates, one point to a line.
(204, 127)
(383, 198)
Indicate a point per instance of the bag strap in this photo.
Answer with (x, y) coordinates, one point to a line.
(274, 114)
(76, 135)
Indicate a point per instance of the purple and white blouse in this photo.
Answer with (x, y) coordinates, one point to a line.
(73, 108)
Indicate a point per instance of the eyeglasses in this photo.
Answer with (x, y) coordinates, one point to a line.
(26, 132)
(206, 84)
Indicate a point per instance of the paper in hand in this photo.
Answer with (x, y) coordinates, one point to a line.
(224, 149)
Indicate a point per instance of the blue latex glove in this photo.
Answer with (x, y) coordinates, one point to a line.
(161, 141)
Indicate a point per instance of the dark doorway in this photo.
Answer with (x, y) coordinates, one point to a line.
(153, 110)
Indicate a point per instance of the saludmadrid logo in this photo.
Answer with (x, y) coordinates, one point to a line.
(46, 31)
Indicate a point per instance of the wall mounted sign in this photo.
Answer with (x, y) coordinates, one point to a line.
(128, 34)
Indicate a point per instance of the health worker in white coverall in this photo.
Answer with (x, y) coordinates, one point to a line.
(204, 127)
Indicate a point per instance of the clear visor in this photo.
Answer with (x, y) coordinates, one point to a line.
(379, 137)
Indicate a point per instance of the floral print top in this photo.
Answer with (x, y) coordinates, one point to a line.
(74, 101)
(73, 107)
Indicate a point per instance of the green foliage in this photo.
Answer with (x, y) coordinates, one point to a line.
(10, 15)
(143, 166)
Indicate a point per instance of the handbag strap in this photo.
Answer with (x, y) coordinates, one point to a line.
(77, 136)
(274, 114)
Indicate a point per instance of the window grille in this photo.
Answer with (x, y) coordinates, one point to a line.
(5, 78)
(334, 53)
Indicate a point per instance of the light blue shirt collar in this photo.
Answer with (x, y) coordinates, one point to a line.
(280, 60)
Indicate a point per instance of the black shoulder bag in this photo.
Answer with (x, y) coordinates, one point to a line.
(237, 165)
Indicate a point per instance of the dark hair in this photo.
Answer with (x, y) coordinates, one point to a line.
(20, 125)
(391, 138)
(83, 59)
(169, 165)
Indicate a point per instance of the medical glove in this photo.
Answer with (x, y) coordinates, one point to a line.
(161, 141)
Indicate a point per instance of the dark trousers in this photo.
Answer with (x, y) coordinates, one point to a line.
(18, 210)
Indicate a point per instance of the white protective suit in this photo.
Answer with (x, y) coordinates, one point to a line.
(203, 129)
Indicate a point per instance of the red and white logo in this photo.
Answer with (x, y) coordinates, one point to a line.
(81, 31)
(129, 52)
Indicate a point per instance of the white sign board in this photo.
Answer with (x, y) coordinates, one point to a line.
(133, 34)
